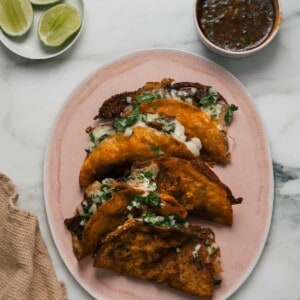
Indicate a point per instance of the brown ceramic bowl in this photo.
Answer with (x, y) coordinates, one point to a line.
(242, 53)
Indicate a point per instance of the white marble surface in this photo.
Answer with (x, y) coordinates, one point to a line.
(32, 92)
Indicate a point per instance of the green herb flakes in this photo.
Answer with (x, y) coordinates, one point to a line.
(229, 113)
(169, 127)
(209, 99)
(147, 97)
(105, 192)
(152, 199)
(169, 221)
(140, 177)
(131, 119)
(85, 217)
(143, 117)
(92, 137)
(149, 175)
(156, 150)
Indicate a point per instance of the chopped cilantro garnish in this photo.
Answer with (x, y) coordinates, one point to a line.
(131, 119)
(148, 175)
(140, 177)
(156, 150)
(152, 218)
(229, 113)
(169, 127)
(153, 199)
(143, 117)
(102, 137)
(105, 192)
(147, 97)
(169, 221)
(209, 99)
(213, 111)
(213, 249)
(85, 217)
(94, 142)
(92, 137)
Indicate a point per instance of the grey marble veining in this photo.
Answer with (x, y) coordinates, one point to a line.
(32, 93)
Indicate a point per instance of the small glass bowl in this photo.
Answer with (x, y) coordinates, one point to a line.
(229, 53)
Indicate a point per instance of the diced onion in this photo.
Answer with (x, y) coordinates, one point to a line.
(93, 208)
(80, 210)
(128, 131)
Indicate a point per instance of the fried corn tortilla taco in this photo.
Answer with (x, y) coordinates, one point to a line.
(185, 258)
(106, 207)
(194, 93)
(206, 111)
(196, 124)
(120, 149)
(193, 184)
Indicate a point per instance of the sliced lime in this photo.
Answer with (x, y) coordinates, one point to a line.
(16, 16)
(43, 2)
(57, 24)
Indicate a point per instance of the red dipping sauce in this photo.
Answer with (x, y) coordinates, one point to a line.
(236, 25)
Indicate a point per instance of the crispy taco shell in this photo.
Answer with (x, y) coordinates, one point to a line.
(109, 216)
(196, 187)
(197, 124)
(177, 257)
(119, 150)
(106, 219)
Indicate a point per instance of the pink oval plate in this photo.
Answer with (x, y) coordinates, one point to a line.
(249, 175)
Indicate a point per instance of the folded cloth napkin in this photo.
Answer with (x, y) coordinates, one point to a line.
(26, 270)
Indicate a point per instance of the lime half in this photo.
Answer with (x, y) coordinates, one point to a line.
(57, 24)
(16, 16)
(43, 2)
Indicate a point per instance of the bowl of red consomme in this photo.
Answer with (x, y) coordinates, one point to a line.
(237, 28)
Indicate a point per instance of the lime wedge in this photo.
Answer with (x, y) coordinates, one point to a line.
(16, 16)
(57, 24)
(43, 2)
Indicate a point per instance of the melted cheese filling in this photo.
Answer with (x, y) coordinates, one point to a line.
(174, 128)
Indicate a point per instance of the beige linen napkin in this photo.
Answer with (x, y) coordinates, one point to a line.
(26, 270)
